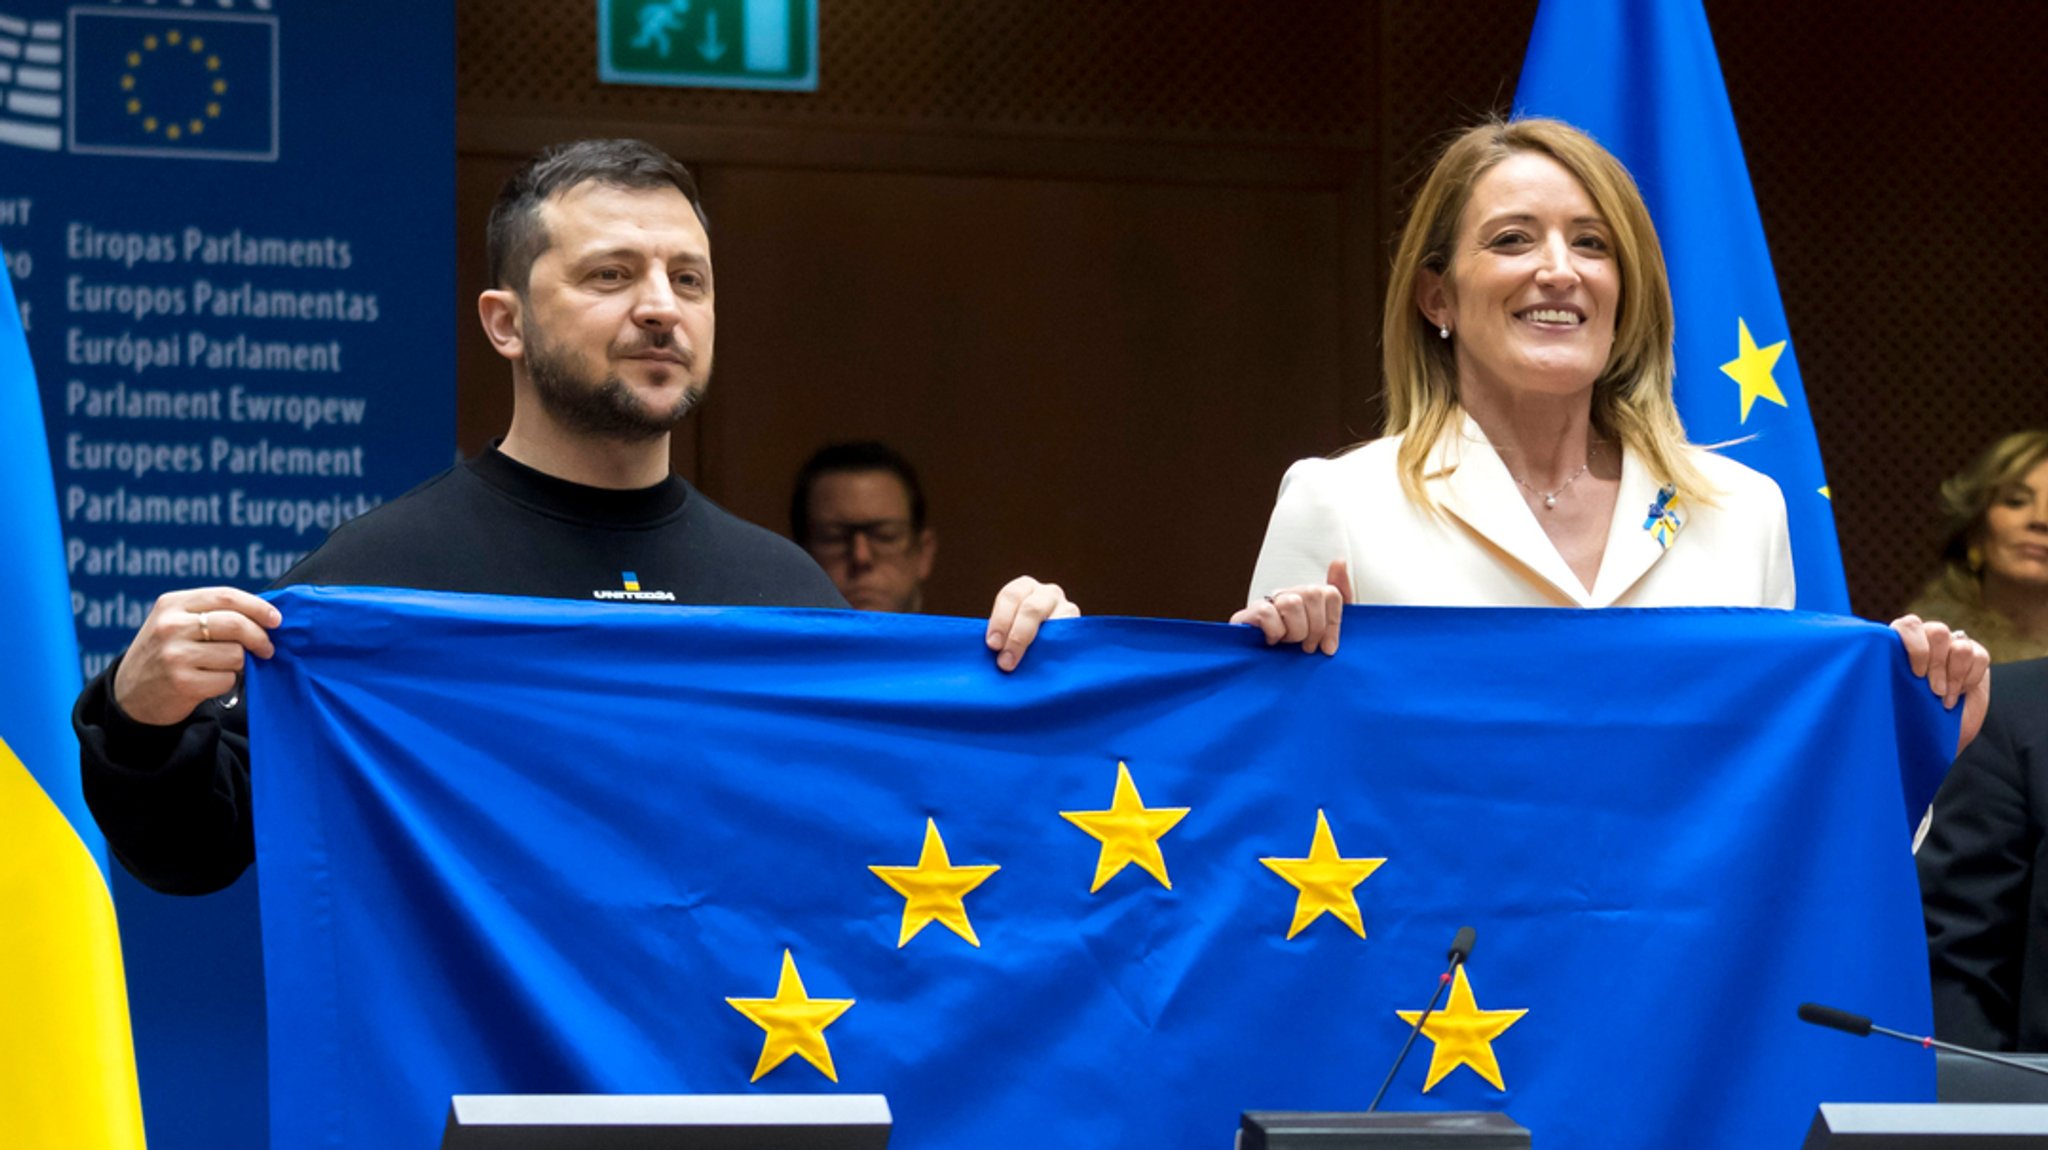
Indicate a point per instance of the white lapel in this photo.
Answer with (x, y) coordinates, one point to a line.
(1634, 540)
(1472, 483)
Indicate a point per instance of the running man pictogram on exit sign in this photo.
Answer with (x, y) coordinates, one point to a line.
(709, 43)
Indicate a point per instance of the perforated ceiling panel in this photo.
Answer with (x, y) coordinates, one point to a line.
(1445, 66)
(1162, 69)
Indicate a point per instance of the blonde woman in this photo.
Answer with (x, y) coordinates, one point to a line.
(1994, 565)
(1533, 456)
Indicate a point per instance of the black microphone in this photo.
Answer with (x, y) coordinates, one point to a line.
(1860, 1026)
(1461, 946)
(1461, 949)
(1834, 1019)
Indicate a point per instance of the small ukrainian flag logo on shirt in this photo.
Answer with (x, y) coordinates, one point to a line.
(631, 591)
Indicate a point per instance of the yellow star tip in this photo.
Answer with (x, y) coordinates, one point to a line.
(1326, 882)
(794, 1022)
(1751, 369)
(1129, 832)
(1463, 1035)
(934, 890)
(1827, 495)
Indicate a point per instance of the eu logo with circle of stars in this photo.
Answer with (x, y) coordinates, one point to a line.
(191, 85)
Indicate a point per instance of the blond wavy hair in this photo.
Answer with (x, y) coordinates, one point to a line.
(1631, 398)
(1966, 499)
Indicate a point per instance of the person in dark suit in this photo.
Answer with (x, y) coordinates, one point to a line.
(1984, 875)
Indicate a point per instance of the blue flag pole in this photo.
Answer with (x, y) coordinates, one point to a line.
(1643, 78)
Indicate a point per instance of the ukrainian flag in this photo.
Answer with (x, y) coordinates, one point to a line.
(1643, 78)
(67, 1063)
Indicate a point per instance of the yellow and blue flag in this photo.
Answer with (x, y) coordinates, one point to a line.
(1643, 78)
(67, 1063)
(1160, 875)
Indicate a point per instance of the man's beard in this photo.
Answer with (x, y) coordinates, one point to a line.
(606, 408)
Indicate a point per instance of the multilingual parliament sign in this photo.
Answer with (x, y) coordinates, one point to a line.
(709, 43)
(230, 235)
(229, 228)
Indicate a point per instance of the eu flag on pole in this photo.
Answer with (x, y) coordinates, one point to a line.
(1644, 80)
(1160, 875)
(67, 1064)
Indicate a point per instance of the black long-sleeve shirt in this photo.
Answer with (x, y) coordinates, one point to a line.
(173, 801)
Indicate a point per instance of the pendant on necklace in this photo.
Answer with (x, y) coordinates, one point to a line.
(1549, 501)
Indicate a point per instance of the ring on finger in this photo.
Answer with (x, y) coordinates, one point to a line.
(205, 631)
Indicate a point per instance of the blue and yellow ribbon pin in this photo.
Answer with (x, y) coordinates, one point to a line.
(1663, 522)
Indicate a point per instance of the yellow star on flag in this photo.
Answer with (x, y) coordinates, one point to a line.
(934, 889)
(1463, 1034)
(795, 1022)
(1751, 369)
(1129, 832)
(1326, 881)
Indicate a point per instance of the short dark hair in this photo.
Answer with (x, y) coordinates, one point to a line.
(516, 237)
(865, 455)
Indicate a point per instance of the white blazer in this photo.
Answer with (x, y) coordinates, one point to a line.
(1486, 549)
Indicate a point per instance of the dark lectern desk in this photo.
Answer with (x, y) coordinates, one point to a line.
(1927, 1126)
(667, 1122)
(1959, 1078)
(1384, 1130)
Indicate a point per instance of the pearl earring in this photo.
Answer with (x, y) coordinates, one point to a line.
(1444, 331)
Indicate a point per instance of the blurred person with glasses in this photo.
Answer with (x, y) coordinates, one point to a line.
(860, 511)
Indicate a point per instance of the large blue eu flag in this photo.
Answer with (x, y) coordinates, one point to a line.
(1644, 80)
(1160, 875)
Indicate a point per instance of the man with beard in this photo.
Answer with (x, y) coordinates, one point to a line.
(602, 305)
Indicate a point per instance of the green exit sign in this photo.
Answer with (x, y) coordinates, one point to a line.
(709, 43)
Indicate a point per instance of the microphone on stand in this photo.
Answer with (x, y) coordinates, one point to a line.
(1861, 1027)
(1461, 949)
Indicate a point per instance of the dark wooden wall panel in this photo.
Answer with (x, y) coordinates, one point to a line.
(485, 409)
(1095, 268)
(1104, 268)
(1101, 382)
(1196, 70)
